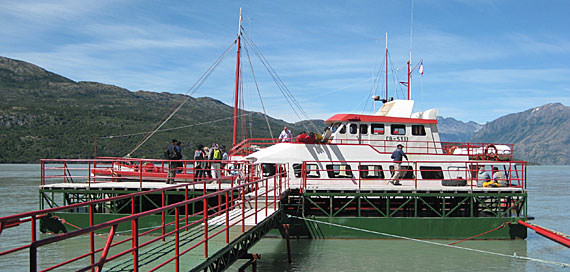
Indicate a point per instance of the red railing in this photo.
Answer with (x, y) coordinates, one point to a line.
(433, 173)
(475, 151)
(99, 170)
(243, 194)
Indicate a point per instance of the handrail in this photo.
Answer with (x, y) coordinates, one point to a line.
(476, 151)
(466, 170)
(253, 189)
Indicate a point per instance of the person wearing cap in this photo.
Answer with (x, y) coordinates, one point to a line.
(397, 157)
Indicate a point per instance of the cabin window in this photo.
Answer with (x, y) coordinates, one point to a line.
(431, 172)
(268, 169)
(409, 170)
(364, 129)
(398, 129)
(335, 126)
(353, 128)
(342, 129)
(312, 170)
(418, 130)
(377, 129)
(339, 171)
(371, 172)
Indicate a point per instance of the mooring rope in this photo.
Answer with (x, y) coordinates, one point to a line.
(472, 237)
(436, 243)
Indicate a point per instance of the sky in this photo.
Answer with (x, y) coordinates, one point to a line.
(482, 59)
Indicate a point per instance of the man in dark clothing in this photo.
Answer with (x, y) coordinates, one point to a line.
(173, 153)
(397, 157)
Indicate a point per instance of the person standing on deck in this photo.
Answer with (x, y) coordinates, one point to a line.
(198, 157)
(206, 164)
(172, 153)
(397, 157)
(216, 157)
(285, 136)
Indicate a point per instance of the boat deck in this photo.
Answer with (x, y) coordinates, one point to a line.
(129, 185)
(376, 187)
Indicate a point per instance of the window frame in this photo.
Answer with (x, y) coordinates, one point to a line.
(378, 169)
(431, 172)
(335, 173)
(398, 127)
(373, 126)
(422, 130)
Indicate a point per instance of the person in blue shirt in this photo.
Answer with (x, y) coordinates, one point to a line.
(397, 157)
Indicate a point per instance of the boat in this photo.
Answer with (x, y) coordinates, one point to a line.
(344, 177)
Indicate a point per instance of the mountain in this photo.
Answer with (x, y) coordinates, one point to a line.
(540, 134)
(452, 130)
(45, 115)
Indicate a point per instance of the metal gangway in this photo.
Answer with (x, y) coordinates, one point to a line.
(211, 238)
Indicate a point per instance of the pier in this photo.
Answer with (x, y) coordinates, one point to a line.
(203, 225)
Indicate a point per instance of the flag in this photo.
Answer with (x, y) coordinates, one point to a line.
(421, 69)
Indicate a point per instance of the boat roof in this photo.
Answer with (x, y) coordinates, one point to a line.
(396, 111)
(345, 117)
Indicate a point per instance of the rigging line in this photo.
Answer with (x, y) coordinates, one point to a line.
(275, 75)
(435, 243)
(181, 103)
(182, 98)
(258, 91)
(169, 129)
(287, 97)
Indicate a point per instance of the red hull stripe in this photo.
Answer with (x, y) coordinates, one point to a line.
(378, 119)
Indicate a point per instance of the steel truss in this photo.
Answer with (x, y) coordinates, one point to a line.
(239, 247)
(388, 205)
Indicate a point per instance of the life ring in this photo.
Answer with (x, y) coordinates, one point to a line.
(452, 149)
(492, 155)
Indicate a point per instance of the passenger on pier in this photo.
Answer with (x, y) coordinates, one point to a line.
(179, 165)
(285, 136)
(216, 157)
(206, 163)
(198, 164)
(483, 177)
(499, 177)
(173, 152)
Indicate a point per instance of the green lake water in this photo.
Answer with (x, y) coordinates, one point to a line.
(549, 198)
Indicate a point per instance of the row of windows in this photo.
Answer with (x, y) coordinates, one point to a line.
(366, 171)
(378, 129)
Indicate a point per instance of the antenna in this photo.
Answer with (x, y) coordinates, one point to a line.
(410, 61)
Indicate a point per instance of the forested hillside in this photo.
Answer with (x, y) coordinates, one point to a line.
(44, 115)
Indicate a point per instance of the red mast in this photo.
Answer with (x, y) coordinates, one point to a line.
(236, 95)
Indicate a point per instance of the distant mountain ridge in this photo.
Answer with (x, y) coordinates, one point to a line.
(45, 115)
(540, 134)
(452, 130)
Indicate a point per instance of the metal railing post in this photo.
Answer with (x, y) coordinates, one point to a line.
(227, 219)
(177, 238)
(205, 211)
(163, 216)
(134, 237)
(92, 236)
